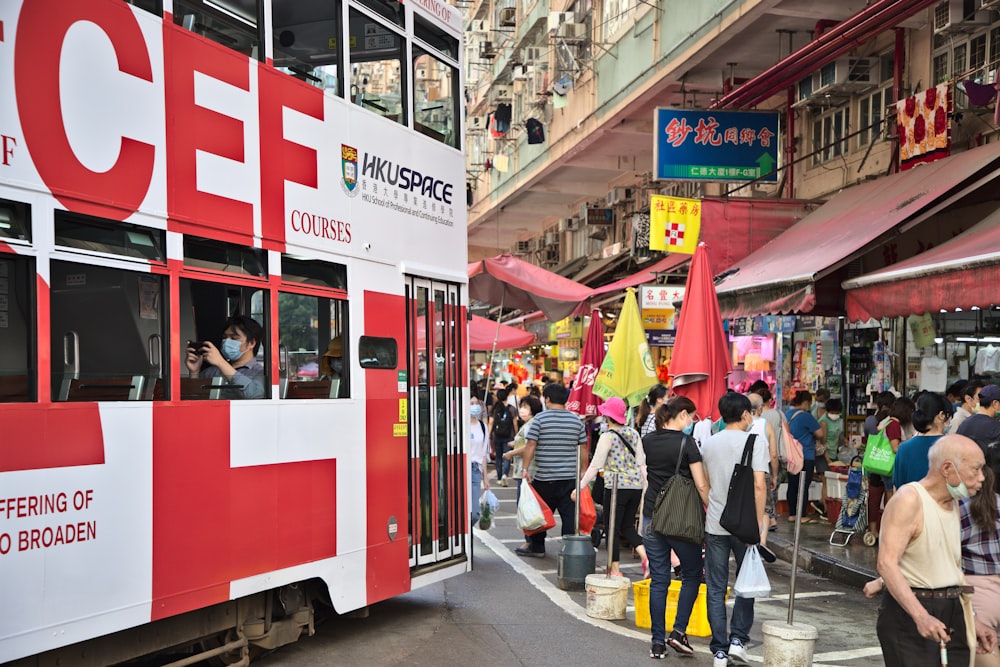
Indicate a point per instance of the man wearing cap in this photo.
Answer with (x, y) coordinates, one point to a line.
(555, 440)
(983, 426)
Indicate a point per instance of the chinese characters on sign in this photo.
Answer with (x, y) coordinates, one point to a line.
(657, 305)
(715, 145)
(674, 224)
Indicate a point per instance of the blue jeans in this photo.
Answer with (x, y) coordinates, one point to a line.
(500, 447)
(717, 550)
(658, 550)
(476, 480)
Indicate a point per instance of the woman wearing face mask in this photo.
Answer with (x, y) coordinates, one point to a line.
(930, 419)
(236, 361)
(663, 447)
(478, 452)
(527, 409)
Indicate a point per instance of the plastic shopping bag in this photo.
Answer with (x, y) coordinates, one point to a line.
(588, 512)
(488, 504)
(529, 512)
(752, 581)
(490, 498)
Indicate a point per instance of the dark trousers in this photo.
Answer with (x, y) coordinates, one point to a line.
(626, 507)
(902, 645)
(556, 495)
(804, 477)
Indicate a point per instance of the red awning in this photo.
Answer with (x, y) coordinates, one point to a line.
(781, 276)
(482, 331)
(647, 275)
(512, 283)
(731, 229)
(952, 275)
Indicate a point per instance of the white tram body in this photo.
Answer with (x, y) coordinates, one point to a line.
(143, 148)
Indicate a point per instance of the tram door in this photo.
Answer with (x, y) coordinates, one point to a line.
(439, 514)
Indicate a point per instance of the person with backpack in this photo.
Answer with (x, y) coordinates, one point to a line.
(502, 428)
(806, 429)
(477, 456)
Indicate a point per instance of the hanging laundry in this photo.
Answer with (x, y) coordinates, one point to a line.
(494, 132)
(559, 101)
(502, 163)
(536, 133)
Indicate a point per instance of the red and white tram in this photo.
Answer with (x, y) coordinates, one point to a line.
(166, 165)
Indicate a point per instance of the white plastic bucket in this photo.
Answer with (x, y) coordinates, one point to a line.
(607, 596)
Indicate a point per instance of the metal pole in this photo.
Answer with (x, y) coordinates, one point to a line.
(489, 373)
(610, 522)
(795, 544)
(576, 506)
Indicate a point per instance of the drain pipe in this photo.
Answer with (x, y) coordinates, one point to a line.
(790, 144)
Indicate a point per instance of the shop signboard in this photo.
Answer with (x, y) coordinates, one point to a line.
(661, 338)
(569, 327)
(715, 145)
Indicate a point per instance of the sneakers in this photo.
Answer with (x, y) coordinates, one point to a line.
(525, 551)
(657, 651)
(721, 660)
(503, 481)
(679, 642)
(738, 653)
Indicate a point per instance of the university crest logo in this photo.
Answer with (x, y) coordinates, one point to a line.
(349, 169)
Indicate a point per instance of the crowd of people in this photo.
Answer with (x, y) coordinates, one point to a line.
(939, 538)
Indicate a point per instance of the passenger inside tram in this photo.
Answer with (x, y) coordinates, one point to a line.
(235, 360)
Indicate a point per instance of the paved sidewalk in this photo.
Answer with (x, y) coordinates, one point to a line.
(852, 565)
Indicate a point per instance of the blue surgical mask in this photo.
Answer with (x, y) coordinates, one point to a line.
(231, 349)
(689, 429)
(476, 411)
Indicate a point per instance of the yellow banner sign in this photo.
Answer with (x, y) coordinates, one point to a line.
(674, 224)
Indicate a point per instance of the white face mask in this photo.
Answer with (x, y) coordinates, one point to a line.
(832, 417)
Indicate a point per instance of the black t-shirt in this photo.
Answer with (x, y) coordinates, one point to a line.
(981, 428)
(662, 449)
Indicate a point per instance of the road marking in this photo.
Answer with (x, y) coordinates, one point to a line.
(800, 596)
(559, 597)
(819, 658)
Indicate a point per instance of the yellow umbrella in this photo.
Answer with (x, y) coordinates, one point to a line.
(628, 370)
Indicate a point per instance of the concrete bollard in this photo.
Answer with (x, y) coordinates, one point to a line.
(788, 645)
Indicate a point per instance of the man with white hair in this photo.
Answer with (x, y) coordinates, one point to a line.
(920, 559)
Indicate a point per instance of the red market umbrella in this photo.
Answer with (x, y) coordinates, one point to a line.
(582, 400)
(700, 361)
(512, 283)
(483, 333)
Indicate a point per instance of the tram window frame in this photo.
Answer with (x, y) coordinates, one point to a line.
(366, 69)
(18, 305)
(392, 10)
(448, 134)
(15, 220)
(91, 309)
(151, 6)
(97, 235)
(317, 56)
(213, 20)
(207, 301)
(377, 352)
(207, 254)
(436, 40)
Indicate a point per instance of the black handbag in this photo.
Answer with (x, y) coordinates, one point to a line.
(678, 512)
(740, 514)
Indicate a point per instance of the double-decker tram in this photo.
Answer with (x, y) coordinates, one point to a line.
(232, 321)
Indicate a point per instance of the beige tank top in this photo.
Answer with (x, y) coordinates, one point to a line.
(934, 559)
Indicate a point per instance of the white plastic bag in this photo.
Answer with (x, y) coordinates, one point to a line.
(529, 512)
(752, 581)
(490, 499)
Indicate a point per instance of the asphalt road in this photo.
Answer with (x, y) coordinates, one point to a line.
(509, 611)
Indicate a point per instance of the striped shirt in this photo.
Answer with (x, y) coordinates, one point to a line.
(980, 549)
(558, 434)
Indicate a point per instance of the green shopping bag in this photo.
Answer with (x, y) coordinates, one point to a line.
(879, 457)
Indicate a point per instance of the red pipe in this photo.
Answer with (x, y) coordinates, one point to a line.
(839, 40)
(822, 25)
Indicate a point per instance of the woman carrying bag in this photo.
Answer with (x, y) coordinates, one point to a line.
(669, 450)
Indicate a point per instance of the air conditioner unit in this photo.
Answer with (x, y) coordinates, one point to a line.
(551, 237)
(618, 195)
(845, 75)
(479, 25)
(532, 54)
(570, 224)
(486, 51)
(476, 124)
(539, 81)
(955, 16)
(508, 17)
(572, 32)
(551, 255)
(558, 18)
(519, 72)
(524, 247)
(502, 93)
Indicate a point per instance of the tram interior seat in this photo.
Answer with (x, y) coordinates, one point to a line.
(193, 389)
(14, 388)
(113, 388)
(310, 389)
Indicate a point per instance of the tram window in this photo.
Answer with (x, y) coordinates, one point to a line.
(376, 352)
(435, 38)
(17, 280)
(119, 238)
(390, 9)
(223, 316)
(218, 256)
(151, 6)
(308, 272)
(314, 352)
(435, 93)
(307, 41)
(377, 75)
(232, 23)
(15, 220)
(108, 328)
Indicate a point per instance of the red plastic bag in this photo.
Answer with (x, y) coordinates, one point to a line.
(550, 520)
(588, 512)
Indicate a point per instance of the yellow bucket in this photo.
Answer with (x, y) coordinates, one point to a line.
(697, 625)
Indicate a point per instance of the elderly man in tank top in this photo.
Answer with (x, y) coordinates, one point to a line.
(920, 560)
